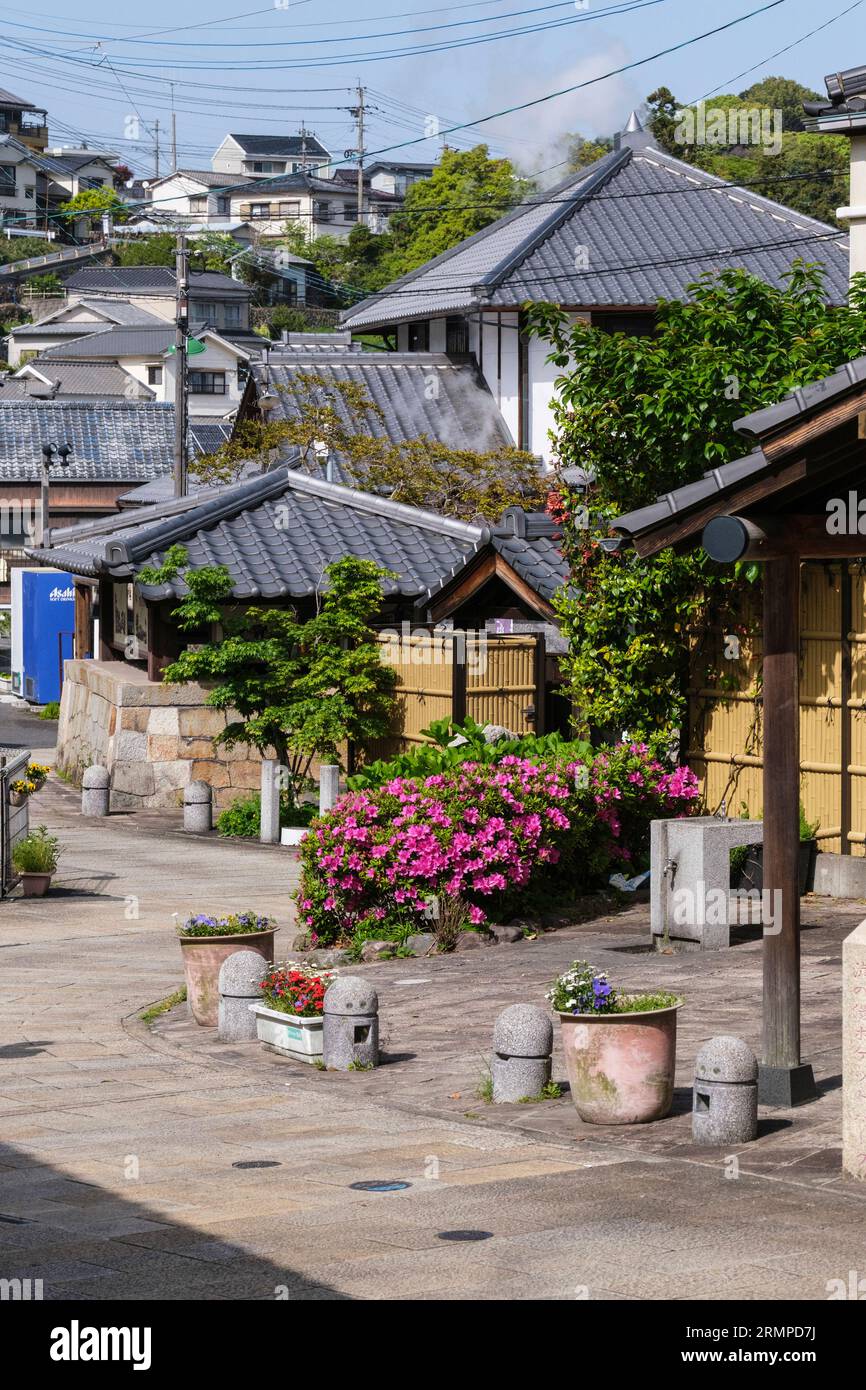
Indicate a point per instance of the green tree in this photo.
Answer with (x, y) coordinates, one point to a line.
(650, 414)
(158, 249)
(329, 417)
(781, 94)
(582, 152)
(214, 251)
(300, 688)
(95, 201)
(466, 192)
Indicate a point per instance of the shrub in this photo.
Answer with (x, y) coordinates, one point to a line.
(50, 711)
(234, 924)
(488, 834)
(452, 744)
(243, 817)
(36, 853)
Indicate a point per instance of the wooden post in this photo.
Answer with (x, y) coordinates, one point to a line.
(783, 1079)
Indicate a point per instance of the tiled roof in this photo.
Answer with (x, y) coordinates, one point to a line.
(208, 178)
(417, 393)
(60, 329)
(9, 99)
(86, 379)
(278, 532)
(159, 279)
(647, 225)
(114, 343)
(111, 442)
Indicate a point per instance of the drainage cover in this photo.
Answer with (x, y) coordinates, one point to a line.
(258, 1163)
(380, 1185)
(464, 1235)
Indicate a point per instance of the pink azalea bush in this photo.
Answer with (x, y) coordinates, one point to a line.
(488, 833)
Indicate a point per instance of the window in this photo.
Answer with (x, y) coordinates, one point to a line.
(7, 178)
(260, 210)
(154, 376)
(231, 315)
(634, 325)
(207, 383)
(290, 209)
(266, 166)
(30, 191)
(456, 335)
(419, 336)
(198, 203)
(203, 310)
(350, 212)
(223, 207)
(323, 212)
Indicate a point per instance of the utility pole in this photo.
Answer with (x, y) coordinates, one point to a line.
(181, 327)
(173, 132)
(360, 119)
(156, 146)
(49, 451)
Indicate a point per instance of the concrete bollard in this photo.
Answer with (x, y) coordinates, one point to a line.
(329, 787)
(522, 1047)
(240, 976)
(725, 1107)
(350, 1028)
(95, 790)
(198, 808)
(269, 825)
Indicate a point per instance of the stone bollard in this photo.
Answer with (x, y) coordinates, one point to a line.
(240, 976)
(197, 807)
(350, 1030)
(726, 1093)
(522, 1045)
(95, 790)
(329, 787)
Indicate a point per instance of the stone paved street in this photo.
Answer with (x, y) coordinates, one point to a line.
(118, 1140)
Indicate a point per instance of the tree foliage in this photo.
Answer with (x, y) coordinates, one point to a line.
(649, 414)
(95, 202)
(328, 418)
(297, 689)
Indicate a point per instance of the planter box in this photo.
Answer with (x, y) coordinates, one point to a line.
(621, 1066)
(293, 834)
(751, 876)
(35, 885)
(300, 1038)
(202, 958)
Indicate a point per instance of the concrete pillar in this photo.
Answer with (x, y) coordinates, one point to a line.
(270, 815)
(95, 791)
(197, 808)
(855, 213)
(854, 1053)
(329, 787)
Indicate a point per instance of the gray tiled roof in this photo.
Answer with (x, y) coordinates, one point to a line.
(208, 178)
(417, 392)
(722, 480)
(149, 279)
(276, 534)
(9, 99)
(120, 311)
(111, 442)
(648, 225)
(61, 329)
(113, 343)
(87, 378)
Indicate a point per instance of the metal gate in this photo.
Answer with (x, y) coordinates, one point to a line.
(14, 820)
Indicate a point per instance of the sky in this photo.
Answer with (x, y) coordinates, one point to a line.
(249, 66)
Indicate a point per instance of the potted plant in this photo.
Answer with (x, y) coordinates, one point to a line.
(289, 1018)
(20, 789)
(38, 774)
(205, 942)
(35, 857)
(295, 822)
(620, 1049)
(5, 682)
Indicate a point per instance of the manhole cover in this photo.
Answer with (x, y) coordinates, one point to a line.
(258, 1163)
(380, 1185)
(465, 1235)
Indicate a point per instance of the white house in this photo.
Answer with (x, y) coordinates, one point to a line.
(199, 195)
(19, 176)
(216, 368)
(73, 319)
(322, 207)
(606, 245)
(262, 156)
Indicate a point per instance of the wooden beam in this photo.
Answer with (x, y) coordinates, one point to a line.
(782, 1080)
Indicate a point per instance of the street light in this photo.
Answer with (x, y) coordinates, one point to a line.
(62, 451)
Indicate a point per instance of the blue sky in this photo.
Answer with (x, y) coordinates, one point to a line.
(246, 66)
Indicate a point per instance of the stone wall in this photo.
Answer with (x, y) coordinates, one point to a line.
(153, 738)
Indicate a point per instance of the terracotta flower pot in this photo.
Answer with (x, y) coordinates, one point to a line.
(621, 1066)
(35, 885)
(202, 958)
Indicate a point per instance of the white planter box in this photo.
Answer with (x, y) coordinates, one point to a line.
(300, 1038)
(293, 834)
